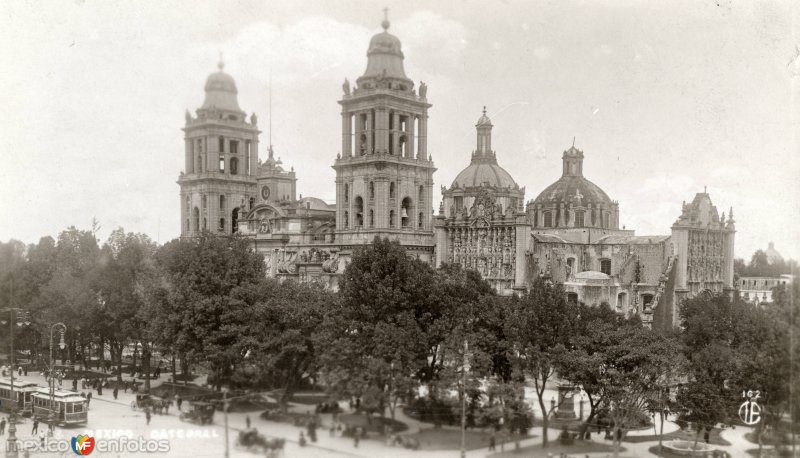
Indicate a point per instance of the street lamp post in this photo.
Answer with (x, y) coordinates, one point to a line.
(63, 329)
(11, 449)
(464, 403)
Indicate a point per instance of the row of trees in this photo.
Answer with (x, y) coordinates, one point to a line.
(399, 332)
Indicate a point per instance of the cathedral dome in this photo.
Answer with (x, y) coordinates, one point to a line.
(221, 92)
(572, 187)
(483, 168)
(486, 173)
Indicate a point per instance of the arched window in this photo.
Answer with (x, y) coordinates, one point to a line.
(371, 218)
(421, 220)
(391, 190)
(188, 204)
(421, 194)
(605, 266)
(221, 225)
(570, 267)
(234, 166)
(548, 219)
(579, 218)
(222, 202)
(346, 219)
(235, 220)
(205, 202)
(371, 190)
(621, 300)
(391, 218)
(406, 208)
(346, 193)
(196, 222)
(359, 210)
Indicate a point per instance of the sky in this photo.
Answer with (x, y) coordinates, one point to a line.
(664, 98)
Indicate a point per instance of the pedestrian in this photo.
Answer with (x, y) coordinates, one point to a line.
(25, 371)
(705, 436)
(35, 427)
(125, 387)
(74, 384)
(356, 437)
(178, 401)
(99, 390)
(147, 416)
(41, 437)
(167, 405)
(115, 393)
(302, 440)
(19, 371)
(247, 421)
(88, 399)
(2, 426)
(491, 442)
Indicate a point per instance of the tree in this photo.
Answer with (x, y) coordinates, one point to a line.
(540, 326)
(278, 337)
(643, 364)
(376, 336)
(194, 308)
(127, 262)
(591, 351)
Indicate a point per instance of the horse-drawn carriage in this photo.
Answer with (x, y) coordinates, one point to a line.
(148, 402)
(198, 412)
(254, 442)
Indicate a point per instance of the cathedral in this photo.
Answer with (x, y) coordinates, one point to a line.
(384, 187)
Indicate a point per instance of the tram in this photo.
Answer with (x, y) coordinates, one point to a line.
(68, 407)
(23, 394)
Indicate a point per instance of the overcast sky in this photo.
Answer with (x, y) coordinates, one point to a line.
(664, 98)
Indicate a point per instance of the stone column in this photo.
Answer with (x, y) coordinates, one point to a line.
(422, 139)
(381, 130)
(522, 232)
(370, 131)
(393, 136)
(359, 130)
(410, 119)
(346, 135)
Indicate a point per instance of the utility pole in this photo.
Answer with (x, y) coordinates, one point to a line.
(464, 404)
(225, 408)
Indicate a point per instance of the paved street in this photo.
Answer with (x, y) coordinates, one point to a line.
(109, 418)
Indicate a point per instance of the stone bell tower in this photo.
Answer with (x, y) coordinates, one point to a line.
(384, 174)
(218, 184)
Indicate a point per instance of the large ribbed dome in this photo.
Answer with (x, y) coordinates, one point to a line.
(572, 187)
(489, 174)
(221, 92)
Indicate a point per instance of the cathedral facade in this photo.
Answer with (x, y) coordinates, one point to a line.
(384, 187)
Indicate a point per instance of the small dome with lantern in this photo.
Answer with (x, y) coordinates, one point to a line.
(221, 92)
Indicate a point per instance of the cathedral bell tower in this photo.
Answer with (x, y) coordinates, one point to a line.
(384, 175)
(218, 184)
